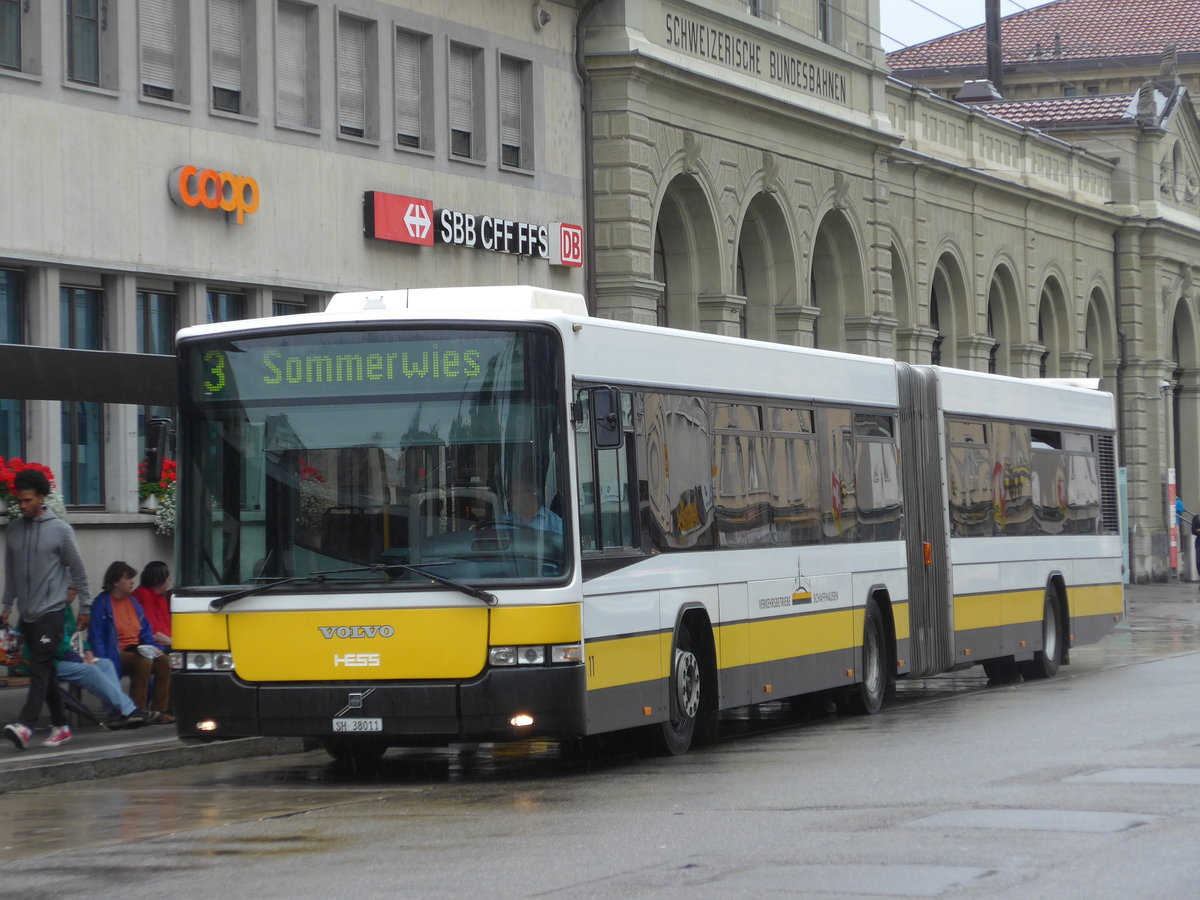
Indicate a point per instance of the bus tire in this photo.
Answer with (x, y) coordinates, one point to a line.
(1046, 661)
(675, 734)
(866, 697)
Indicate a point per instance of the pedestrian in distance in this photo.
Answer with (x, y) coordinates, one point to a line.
(121, 633)
(41, 560)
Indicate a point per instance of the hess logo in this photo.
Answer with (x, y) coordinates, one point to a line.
(356, 660)
(192, 186)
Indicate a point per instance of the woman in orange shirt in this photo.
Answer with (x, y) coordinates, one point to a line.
(120, 632)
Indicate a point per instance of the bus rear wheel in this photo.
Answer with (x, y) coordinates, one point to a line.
(866, 697)
(675, 734)
(1046, 661)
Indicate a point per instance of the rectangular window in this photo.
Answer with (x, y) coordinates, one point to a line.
(607, 513)
(227, 35)
(225, 307)
(155, 322)
(464, 75)
(10, 34)
(356, 64)
(412, 75)
(12, 317)
(515, 107)
(83, 41)
(287, 308)
(295, 52)
(829, 23)
(156, 48)
(155, 334)
(82, 476)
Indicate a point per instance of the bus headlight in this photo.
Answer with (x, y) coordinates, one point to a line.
(531, 656)
(535, 655)
(202, 660)
(502, 656)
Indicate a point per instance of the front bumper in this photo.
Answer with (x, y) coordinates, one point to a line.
(411, 712)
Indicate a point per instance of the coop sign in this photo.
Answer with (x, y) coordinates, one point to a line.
(192, 186)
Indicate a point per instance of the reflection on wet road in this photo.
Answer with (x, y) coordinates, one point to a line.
(133, 808)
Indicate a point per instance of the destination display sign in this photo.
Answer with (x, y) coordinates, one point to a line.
(356, 365)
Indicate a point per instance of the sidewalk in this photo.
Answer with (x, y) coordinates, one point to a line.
(96, 753)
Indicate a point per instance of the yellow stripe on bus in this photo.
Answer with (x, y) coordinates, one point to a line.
(992, 610)
(1019, 607)
(1096, 600)
(559, 624)
(199, 631)
(612, 663)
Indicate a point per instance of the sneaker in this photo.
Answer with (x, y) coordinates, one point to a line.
(19, 734)
(136, 719)
(59, 735)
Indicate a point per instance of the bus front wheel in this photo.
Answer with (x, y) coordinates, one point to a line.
(676, 733)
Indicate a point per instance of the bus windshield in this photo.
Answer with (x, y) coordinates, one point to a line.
(320, 451)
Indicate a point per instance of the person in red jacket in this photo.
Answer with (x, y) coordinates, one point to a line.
(152, 593)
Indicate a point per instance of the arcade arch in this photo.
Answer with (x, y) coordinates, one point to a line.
(764, 266)
(687, 253)
(836, 285)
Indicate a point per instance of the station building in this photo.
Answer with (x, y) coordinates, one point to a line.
(744, 167)
(172, 162)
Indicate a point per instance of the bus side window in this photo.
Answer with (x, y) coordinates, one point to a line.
(606, 508)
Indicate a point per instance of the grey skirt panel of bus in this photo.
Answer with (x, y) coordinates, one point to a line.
(929, 593)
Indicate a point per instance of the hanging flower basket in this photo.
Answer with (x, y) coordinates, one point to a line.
(8, 499)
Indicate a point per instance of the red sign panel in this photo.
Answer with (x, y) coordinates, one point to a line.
(566, 244)
(392, 217)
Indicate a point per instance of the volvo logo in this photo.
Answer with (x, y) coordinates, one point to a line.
(329, 632)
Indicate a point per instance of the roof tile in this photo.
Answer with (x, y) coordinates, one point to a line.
(1067, 29)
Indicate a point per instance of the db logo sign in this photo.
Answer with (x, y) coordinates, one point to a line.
(392, 217)
(191, 186)
(566, 244)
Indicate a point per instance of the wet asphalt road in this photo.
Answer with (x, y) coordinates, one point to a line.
(1087, 785)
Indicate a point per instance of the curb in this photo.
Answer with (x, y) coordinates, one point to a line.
(129, 760)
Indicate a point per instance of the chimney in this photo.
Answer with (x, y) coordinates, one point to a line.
(994, 49)
(978, 91)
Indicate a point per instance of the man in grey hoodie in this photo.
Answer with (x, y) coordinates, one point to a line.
(41, 561)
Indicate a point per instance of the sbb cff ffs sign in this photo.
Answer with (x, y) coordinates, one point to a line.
(193, 186)
(412, 220)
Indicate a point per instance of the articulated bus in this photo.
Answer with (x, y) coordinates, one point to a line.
(479, 514)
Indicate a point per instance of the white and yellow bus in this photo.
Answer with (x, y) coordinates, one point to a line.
(466, 514)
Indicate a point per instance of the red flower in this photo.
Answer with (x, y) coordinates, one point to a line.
(9, 470)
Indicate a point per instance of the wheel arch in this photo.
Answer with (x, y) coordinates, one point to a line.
(882, 598)
(1056, 585)
(695, 618)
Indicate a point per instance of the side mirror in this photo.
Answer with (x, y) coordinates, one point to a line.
(157, 433)
(605, 404)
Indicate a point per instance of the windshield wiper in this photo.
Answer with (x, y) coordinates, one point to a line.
(478, 593)
(224, 600)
